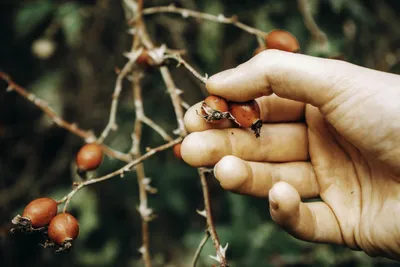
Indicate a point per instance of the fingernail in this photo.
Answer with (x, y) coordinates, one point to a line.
(273, 204)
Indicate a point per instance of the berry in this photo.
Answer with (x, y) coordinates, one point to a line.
(214, 109)
(282, 40)
(89, 157)
(40, 211)
(177, 151)
(217, 103)
(247, 115)
(63, 229)
(258, 50)
(144, 59)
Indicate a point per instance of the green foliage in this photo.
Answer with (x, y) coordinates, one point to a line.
(30, 15)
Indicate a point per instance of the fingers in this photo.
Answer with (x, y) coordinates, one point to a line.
(293, 76)
(256, 178)
(277, 143)
(272, 109)
(313, 222)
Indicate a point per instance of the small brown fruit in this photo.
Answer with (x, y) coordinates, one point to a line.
(40, 211)
(282, 40)
(89, 157)
(144, 59)
(214, 109)
(247, 114)
(177, 151)
(63, 230)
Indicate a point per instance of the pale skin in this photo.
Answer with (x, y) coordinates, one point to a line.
(331, 130)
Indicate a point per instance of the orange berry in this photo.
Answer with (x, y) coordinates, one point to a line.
(40, 211)
(282, 40)
(89, 157)
(258, 50)
(217, 103)
(247, 114)
(143, 59)
(177, 151)
(64, 227)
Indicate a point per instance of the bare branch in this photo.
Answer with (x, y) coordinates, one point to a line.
(181, 61)
(185, 13)
(88, 136)
(176, 100)
(199, 249)
(309, 22)
(111, 125)
(210, 223)
(121, 171)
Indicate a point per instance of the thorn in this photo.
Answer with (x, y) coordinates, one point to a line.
(221, 251)
(202, 213)
(142, 250)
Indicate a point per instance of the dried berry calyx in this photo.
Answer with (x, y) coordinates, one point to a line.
(214, 109)
(62, 231)
(247, 115)
(37, 214)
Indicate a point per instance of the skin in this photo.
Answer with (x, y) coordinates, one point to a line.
(331, 130)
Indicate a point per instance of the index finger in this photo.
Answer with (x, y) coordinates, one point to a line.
(307, 79)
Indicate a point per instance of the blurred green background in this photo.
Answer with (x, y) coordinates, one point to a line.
(85, 41)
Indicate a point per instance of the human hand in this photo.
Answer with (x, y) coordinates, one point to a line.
(331, 130)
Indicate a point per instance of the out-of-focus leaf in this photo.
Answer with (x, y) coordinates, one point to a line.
(105, 256)
(337, 5)
(30, 15)
(324, 255)
(210, 36)
(261, 20)
(72, 22)
(47, 87)
(261, 235)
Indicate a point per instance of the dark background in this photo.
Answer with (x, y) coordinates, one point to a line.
(37, 158)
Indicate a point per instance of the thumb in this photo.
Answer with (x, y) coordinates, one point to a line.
(293, 76)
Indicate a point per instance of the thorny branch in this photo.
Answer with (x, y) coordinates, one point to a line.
(210, 223)
(111, 125)
(143, 182)
(181, 61)
(88, 136)
(177, 104)
(185, 13)
(120, 172)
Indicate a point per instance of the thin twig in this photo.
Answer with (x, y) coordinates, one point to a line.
(144, 210)
(210, 223)
(185, 13)
(181, 61)
(175, 98)
(311, 25)
(111, 125)
(200, 248)
(88, 136)
(121, 171)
